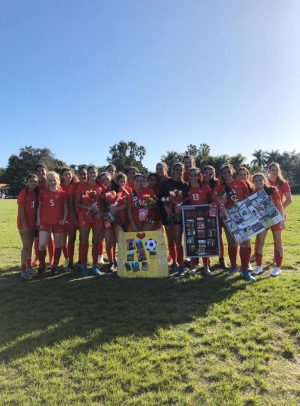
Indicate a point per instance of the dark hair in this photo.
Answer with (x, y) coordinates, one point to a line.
(82, 167)
(138, 174)
(111, 166)
(213, 181)
(40, 165)
(226, 165)
(153, 174)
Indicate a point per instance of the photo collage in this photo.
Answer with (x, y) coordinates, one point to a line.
(142, 255)
(251, 216)
(201, 231)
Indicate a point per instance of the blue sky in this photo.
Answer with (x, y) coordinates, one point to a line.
(79, 76)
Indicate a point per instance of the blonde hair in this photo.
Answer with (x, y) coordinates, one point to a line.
(55, 175)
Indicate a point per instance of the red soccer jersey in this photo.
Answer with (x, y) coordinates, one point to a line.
(42, 185)
(282, 189)
(199, 195)
(89, 195)
(142, 196)
(236, 190)
(52, 206)
(28, 199)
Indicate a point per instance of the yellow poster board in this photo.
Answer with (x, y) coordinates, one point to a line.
(142, 254)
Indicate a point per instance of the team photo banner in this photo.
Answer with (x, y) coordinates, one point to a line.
(142, 254)
(251, 216)
(201, 231)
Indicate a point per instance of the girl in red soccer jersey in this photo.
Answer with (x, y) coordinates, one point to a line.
(235, 190)
(276, 179)
(68, 179)
(120, 210)
(132, 171)
(89, 204)
(172, 194)
(69, 185)
(51, 217)
(210, 179)
(141, 206)
(198, 193)
(243, 174)
(26, 222)
(73, 226)
(41, 171)
(260, 183)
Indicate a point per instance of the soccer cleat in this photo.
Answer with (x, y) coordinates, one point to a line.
(246, 275)
(53, 271)
(24, 274)
(84, 270)
(250, 267)
(258, 270)
(173, 268)
(68, 268)
(207, 271)
(181, 271)
(222, 263)
(30, 272)
(96, 271)
(231, 271)
(41, 269)
(276, 271)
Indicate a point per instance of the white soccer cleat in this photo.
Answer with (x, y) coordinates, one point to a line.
(258, 270)
(276, 271)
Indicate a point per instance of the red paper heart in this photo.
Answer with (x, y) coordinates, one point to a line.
(140, 235)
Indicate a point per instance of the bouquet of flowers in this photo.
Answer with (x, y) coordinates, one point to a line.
(176, 198)
(111, 199)
(221, 201)
(92, 196)
(148, 201)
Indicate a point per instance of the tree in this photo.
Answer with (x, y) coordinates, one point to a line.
(19, 166)
(171, 158)
(126, 154)
(273, 156)
(259, 159)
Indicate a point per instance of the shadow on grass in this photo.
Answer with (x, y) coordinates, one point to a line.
(44, 312)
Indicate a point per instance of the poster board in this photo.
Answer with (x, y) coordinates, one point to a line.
(251, 216)
(201, 231)
(142, 254)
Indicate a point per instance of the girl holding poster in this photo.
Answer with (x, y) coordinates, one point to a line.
(210, 179)
(172, 194)
(234, 190)
(260, 182)
(198, 193)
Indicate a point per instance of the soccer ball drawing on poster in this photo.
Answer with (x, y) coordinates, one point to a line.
(151, 245)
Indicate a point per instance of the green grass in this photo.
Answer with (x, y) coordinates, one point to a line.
(223, 341)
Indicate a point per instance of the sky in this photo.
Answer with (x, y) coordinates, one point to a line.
(78, 76)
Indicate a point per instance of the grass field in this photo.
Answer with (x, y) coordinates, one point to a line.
(192, 341)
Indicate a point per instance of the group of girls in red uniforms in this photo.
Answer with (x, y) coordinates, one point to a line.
(109, 202)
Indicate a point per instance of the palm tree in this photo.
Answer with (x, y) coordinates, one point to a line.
(273, 156)
(259, 158)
